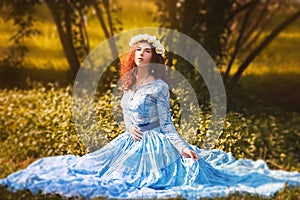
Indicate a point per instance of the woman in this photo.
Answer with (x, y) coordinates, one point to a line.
(143, 65)
(149, 159)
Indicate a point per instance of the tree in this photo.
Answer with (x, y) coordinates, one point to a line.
(19, 13)
(228, 29)
(70, 18)
(250, 42)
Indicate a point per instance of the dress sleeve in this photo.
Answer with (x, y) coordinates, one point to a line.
(165, 120)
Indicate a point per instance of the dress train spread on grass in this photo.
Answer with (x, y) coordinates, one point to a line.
(152, 167)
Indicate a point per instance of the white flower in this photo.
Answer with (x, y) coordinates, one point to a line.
(151, 39)
(159, 50)
(145, 36)
(156, 43)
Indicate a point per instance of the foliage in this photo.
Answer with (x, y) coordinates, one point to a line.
(24, 21)
(39, 122)
(286, 193)
(231, 31)
(70, 19)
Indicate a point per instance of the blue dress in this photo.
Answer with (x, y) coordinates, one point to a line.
(152, 167)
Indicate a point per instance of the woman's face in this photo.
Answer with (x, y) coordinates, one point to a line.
(143, 54)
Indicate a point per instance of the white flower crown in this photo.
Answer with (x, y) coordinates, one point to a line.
(159, 48)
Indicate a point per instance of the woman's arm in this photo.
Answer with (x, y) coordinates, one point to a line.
(167, 126)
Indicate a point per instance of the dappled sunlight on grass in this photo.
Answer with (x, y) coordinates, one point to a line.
(261, 69)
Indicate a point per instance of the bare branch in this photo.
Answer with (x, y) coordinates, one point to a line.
(258, 32)
(238, 42)
(263, 45)
(255, 24)
(241, 9)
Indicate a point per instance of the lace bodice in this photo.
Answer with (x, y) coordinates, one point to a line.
(150, 102)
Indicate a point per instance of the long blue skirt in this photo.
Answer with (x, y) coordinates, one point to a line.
(149, 168)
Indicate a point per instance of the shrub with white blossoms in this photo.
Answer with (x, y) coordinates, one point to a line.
(159, 48)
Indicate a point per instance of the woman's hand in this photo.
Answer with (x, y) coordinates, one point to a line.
(188, 153)
(135, 133)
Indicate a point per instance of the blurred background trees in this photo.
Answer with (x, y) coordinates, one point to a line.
(229, 29)
(232, 31)
(70, 19)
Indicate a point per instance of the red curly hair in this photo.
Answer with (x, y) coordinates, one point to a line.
(128, 67)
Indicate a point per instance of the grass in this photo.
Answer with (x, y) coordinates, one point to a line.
(272, 89)
(38, 122)
(285, 194)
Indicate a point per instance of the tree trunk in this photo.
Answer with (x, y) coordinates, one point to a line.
(107, 29)
(215, 14)
(239, 39)
(263, 45)
(65, 39)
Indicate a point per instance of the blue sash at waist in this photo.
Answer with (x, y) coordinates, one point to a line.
(149, 126)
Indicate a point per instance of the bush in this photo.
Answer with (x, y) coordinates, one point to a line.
(39, 122)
